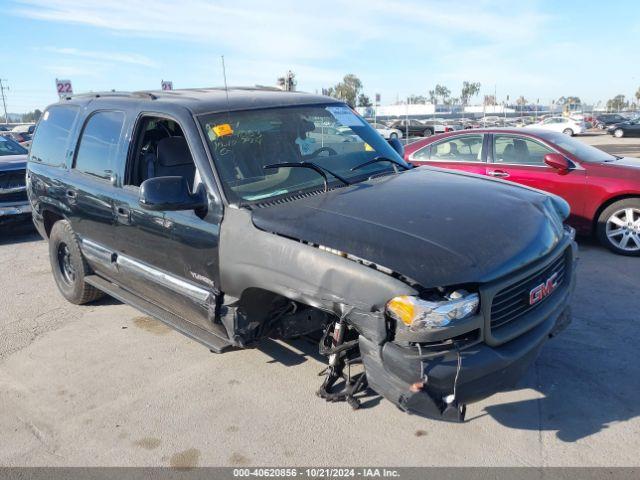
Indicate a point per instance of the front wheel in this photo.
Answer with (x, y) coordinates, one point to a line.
(568, 131)
(69, 266)
(427, 133)
(618, 133)
(619, 227)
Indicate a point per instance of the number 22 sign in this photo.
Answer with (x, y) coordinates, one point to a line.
(64, 87)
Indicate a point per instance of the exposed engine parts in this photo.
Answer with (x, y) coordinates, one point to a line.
(343, 352)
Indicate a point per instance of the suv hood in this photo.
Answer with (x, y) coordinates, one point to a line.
(436, 227)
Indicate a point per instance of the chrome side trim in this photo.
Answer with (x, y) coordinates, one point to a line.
(114, 262)
(165, 279)
(98, 254)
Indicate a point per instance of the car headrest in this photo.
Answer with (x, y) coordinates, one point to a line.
(444, 148)
(172, 151)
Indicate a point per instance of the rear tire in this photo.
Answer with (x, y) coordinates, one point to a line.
(568, 131)
(427, 133)
(618, 227)
(618, 133)
(69, 266)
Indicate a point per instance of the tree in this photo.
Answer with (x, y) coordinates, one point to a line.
(521, 101)
(638, 94)
(413, 99)
(288, 82)
(442, 92)
(347, 90)
(616, 103)
(432, 97)
(469, 89)
(568, 101)
(363, 101)
(31, 117)
(490, 100)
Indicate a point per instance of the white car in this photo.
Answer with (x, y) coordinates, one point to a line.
(564, 125)
(25, 128)
(387, 132)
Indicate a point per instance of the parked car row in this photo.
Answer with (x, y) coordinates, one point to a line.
(627, 128)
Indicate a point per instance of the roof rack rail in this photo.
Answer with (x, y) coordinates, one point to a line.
(111, 93)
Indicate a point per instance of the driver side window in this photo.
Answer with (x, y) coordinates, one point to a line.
(519, 151)
(160, 150)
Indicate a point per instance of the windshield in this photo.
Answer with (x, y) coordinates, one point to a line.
(584, 152)
(9, 147)
(331, 136)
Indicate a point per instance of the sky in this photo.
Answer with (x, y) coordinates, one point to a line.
(540, 49)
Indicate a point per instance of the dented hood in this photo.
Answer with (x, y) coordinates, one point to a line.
(436, 227)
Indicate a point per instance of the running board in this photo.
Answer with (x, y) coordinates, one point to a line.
(212, 341)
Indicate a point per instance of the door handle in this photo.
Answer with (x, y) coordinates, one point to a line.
(498, 173)
(123, 212)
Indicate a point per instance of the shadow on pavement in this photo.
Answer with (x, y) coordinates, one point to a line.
(18, 234)
(588, 376)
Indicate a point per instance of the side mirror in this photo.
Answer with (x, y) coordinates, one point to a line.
(169, 193)
(397, 146)
(557, 162)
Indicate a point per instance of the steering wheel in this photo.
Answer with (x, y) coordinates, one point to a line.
(330, 150)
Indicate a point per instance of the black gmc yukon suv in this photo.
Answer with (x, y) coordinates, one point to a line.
(232, 216)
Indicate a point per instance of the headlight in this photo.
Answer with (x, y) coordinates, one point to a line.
(419, 314)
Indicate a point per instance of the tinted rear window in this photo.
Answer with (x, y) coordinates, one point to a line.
(98, 144)
(52, 135)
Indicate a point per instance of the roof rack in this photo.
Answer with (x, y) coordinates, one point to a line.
(111, 93)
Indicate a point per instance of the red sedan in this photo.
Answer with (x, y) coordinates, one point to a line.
(603, 190)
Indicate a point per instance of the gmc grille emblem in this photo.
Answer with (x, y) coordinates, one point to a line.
(543, 290)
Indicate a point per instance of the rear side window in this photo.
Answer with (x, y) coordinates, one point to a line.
(99, 144)
(458, 149)
(52, 136)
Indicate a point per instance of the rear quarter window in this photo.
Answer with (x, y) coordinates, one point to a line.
(52, 135)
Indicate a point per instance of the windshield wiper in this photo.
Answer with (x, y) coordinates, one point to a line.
(313, 166)
(394, 163)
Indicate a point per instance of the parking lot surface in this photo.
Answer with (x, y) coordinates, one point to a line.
(102, 384)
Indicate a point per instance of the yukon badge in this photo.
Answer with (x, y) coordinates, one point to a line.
(202, 278)
(543, 290)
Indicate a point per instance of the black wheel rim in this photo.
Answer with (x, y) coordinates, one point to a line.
(65, 265)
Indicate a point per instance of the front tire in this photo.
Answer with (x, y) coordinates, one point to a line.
(618, 133)
(69, 266)
(427, 133)
(619, 227)
(568, 131)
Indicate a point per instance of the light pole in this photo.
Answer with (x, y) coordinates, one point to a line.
(4, 103)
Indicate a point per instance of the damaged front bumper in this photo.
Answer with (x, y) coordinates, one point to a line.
(438, 384)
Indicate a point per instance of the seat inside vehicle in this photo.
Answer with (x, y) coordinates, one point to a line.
(160, 150)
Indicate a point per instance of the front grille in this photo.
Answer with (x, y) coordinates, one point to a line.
(12, 186)
(513, 301)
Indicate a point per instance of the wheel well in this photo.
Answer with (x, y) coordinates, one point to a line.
(49, 219)
(602, 207)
